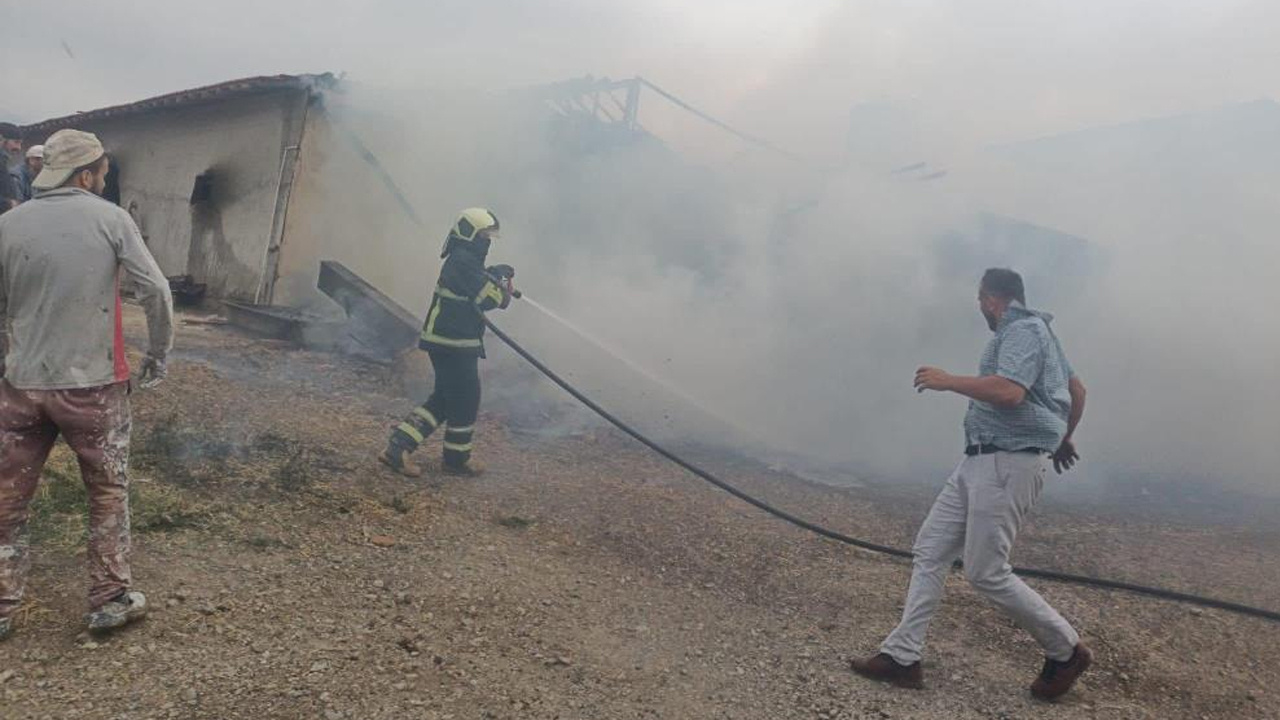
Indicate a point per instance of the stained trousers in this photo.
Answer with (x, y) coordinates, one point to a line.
(95, 422)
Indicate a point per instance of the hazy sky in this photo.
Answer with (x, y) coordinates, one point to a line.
(989, 69)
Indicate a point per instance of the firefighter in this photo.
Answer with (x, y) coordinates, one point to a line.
(453, 338)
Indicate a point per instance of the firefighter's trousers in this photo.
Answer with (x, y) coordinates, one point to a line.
(453, 405)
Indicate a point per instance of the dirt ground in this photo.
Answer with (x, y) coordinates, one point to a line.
(581, 578)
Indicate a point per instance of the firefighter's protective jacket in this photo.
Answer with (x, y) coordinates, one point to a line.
(463, 293)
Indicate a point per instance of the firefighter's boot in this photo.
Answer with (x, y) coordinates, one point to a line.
(471, 468)
(397, 458)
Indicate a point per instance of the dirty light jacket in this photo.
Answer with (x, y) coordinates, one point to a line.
(61, 257)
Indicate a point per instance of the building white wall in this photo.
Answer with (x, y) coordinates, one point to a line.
(241, 141)
(340, 210)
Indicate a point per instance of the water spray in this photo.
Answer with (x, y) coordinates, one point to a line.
(635, 367)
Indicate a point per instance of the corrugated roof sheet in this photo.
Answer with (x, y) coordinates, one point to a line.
(194, 96)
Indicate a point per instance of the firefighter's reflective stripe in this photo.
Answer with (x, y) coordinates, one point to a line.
(411, 431)
(491, 291)
(431, 337)
(429, 333)
(425, 414)
(448, 294)
(458, 439)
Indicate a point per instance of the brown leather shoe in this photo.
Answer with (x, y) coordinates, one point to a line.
(884, 668)
(396, 460)
(1056, 678)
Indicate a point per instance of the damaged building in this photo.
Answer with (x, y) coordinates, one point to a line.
(225, 180)
(208, 174)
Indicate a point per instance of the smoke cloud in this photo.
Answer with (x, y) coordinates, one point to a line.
(794, 302)
(794, 298)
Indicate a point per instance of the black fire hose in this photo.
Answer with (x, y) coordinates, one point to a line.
(864, 544)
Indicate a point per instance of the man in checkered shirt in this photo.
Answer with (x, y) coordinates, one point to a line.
(1024, 406)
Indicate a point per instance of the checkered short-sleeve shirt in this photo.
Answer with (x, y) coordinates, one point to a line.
(1027, 352)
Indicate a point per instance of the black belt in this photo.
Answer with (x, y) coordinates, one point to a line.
(989, 449)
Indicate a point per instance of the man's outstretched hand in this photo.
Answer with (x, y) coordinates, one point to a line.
(1065, 457)
(932, 378)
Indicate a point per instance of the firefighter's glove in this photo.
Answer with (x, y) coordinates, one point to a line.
(508, 292)
(506, 272)
(152, 373)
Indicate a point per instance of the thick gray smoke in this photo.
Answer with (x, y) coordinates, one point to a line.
(794, 300)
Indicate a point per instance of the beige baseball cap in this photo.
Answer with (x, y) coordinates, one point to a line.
(35, 151)
(65, 151)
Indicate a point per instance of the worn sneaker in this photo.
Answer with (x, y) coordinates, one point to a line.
(6, 627)
(884, 668)
(397, 460)
(1056, 678)
(471, 468)
(126, 608)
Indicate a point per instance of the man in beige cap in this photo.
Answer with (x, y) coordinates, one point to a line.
(26, 175)
(62, 255)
